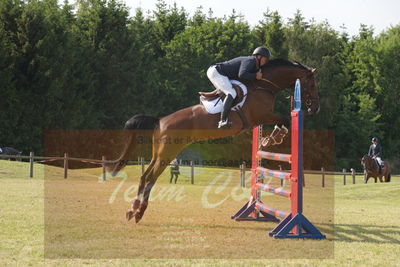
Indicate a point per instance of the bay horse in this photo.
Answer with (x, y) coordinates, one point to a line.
(371, 169)
(170, 134)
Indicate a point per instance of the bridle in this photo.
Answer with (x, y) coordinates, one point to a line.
(309, 99)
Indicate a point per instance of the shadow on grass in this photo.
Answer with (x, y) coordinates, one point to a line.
(261, 227)
(363, 233)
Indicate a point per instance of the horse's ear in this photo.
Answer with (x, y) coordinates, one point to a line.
(314, 70)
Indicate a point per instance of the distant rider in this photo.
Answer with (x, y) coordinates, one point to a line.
(375, 151)
(246, 68)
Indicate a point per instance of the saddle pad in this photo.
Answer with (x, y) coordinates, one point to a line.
(215, 106)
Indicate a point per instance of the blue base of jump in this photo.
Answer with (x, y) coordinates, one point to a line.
(244, 214)
(305, 228)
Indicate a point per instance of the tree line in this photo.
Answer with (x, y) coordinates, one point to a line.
(93, 65)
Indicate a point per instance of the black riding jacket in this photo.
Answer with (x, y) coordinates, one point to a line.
(238, 68)
(375, 151)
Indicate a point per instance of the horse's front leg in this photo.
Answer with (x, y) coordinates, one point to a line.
(279, 120)
(367, 176)
(280, 131)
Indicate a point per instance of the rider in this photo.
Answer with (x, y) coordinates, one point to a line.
(246, 68)
(375, 151)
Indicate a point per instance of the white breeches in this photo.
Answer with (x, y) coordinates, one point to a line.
(220, 82)
(379, 160)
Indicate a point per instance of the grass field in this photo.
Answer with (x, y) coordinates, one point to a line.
(51, 221)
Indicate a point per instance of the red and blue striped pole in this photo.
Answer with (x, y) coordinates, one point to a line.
(294, 224)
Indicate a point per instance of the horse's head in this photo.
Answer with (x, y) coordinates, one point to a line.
(364, 160)
(283, 74)
(367, 162)
(309, 93)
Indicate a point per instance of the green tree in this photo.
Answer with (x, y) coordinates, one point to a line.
(169, 21)
(388, 89)
(103, 29)
(270, 32)
(10, 55)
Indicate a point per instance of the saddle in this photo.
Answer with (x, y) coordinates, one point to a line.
(219, 94)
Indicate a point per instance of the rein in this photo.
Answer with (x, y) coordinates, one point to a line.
(275, 85)
(268, 81)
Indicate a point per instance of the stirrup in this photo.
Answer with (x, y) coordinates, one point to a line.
(224, 124)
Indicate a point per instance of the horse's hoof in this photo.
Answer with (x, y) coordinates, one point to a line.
(129, 215)
(138, 217)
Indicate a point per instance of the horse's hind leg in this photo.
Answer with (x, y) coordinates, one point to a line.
(156, 170)
(137, 201)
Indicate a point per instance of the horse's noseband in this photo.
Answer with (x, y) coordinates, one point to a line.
(310, 99)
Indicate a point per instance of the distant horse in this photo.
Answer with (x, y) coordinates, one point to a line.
(10, 151)
(371, 169)
(173, 132)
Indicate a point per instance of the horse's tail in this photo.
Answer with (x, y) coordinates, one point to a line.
(141, 122)
(387, 172)
(138, 125)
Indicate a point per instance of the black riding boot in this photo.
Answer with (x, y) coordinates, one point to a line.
(223, 123)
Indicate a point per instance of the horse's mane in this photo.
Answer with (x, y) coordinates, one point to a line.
(280, 62)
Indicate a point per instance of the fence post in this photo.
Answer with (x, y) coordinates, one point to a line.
(192, 171)
(242, 175)
(31, 155)
(103, 163)
(344, 176)
(353, 174)
(65, 165)
(323, 176)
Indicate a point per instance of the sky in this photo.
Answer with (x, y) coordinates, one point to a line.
(380, 14)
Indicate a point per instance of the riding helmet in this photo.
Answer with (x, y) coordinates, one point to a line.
(374, 139)
(262, 51)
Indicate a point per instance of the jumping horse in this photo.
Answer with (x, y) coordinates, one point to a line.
(170, 134)
(371, 169)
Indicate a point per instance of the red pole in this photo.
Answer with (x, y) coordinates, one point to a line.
(297, 163)
(254, 164)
